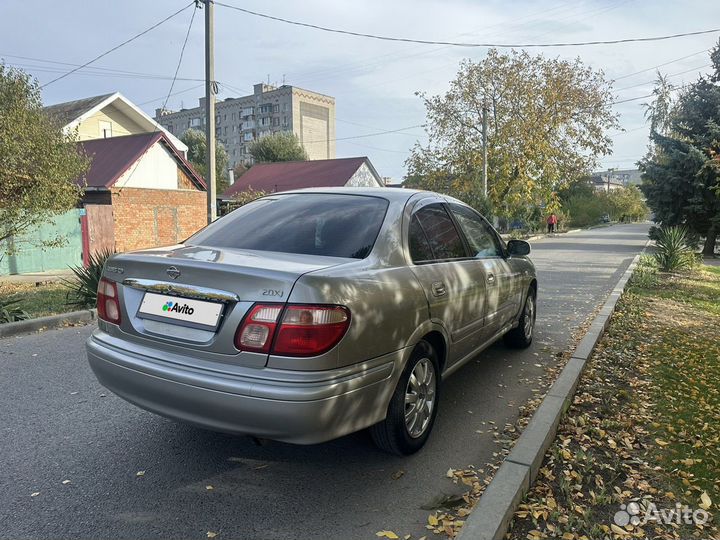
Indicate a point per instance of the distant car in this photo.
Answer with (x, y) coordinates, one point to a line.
(304, 316)
(605, 219)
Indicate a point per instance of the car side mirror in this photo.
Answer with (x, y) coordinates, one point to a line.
(519, 248)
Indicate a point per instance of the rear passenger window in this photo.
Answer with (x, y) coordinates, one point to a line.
(419, 247)
(442, 236)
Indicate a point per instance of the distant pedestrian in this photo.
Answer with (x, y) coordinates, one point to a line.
(552, 223)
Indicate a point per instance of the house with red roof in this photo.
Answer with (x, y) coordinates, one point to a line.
(289, 175)
(139, 192)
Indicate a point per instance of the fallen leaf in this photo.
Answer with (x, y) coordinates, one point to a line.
(662, 443)
(397, 475)
(618, 530)
(209, 488)
(66, 482)
(140, 473)
(432, 520)
(386, 534)
(705, 501)
(211, 534)
(35, 494)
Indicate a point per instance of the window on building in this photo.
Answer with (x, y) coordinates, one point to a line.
(105, 129)
(285, 121)
(217, 119)
(195, 122)
(276, 108)
(233, 116)
(276, 121)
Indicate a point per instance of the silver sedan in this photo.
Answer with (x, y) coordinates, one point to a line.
(307, 315)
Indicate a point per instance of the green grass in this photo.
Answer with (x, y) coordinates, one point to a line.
(46, 299)
(686, 378)
(645, 421)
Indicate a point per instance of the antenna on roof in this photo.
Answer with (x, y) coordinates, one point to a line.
(268, 79)
(283, 79)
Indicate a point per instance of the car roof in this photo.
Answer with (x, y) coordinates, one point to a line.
(392, 194)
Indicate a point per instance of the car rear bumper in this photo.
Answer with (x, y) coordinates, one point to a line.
(296, 407)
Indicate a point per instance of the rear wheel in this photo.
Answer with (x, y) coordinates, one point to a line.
(521, 336)
(413, 407)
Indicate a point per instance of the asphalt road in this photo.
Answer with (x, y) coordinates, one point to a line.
(58, 424)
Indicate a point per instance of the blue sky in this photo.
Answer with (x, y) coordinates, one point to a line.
(374, 82)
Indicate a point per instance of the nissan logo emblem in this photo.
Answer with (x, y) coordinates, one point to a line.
(173, 272)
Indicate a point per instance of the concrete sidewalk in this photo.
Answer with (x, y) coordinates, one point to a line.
(38, 277)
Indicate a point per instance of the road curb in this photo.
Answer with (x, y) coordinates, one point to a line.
(491, 517)
(46, 323)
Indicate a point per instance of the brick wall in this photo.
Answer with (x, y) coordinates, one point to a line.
(156, 217)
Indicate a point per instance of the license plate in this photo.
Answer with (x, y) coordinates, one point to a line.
(185, 311)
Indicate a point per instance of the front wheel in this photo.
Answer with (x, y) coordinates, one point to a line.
(521, 336)
(413, 406)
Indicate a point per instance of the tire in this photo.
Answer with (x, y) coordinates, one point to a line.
(394, 435)
(521, 336)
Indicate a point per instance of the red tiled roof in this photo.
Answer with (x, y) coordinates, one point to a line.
(289, 175)
(111, 157)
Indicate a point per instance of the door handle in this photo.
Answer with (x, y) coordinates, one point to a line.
(491, 278)
(438, 288)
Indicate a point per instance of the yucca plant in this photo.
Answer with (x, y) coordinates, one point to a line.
(83, 287)
(672, 250)
(12, 314)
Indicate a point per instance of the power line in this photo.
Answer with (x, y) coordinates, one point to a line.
(364, 136)
(464, 44)
(118, 46)
(172, 84)
(98, 71)
(673, 75)
(660, 65)
(173, 94)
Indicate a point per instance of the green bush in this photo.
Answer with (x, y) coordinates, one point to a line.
(672, 250)
(83, 287)
(11, 314)
(585, 209)
(645, 274)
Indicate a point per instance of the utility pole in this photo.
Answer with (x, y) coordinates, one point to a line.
(484, 136)
(210, 108)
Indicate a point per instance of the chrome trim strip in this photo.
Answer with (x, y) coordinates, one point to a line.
(180, 289)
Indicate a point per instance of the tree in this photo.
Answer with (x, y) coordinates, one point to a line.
(280, 146)
(39, 163)
(197, 156)
(681, 173)
(659, 111)
(546, 124)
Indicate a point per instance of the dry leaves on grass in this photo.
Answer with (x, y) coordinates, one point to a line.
(638, 429)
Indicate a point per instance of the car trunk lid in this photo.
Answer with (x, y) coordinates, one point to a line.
(220, 283)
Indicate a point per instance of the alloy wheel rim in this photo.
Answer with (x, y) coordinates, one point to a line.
(529, 316)
(420, 398)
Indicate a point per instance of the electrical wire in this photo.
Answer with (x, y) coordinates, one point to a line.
(172, 84)
(118, 46)
(98, 71)
(465, 44)
(672, 75)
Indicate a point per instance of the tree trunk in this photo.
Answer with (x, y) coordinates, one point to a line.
(710, 238)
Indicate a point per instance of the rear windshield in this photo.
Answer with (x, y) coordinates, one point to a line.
(310, 224)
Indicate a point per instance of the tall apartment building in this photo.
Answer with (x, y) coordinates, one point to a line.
(239, 121)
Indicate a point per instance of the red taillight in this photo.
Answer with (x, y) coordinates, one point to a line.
(256, 331)
(108, 305)
(304, 330)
